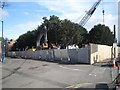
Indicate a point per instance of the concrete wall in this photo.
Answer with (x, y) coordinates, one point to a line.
(102, 52)
(65, 55)
(118, 52)
(93, 53)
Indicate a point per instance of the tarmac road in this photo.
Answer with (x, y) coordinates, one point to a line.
(22, 73)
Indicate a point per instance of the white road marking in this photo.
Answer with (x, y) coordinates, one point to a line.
(79, 85)
(70, 68)
(90, 74)
(104, 69)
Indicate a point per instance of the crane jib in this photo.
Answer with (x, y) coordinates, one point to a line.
(89, 13)
(93, 11)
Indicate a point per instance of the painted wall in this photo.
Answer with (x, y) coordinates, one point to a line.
(104, 52)
(100, 53)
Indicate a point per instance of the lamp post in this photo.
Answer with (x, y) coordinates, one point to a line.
(3, 53)
(2, 44)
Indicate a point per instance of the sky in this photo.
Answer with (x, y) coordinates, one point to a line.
(20, 16)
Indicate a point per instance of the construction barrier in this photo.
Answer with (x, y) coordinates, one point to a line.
(36, 55)
(90, 55)
(73, 55)
(64, 55)
(84, 55)
(57, 55)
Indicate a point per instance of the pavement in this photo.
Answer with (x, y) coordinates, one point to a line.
(114, 72)
(0, 75)
(25, 73)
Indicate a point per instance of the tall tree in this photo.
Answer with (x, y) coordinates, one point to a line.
(52, 25)
(71, 33)
(101, 34)
(27, 40)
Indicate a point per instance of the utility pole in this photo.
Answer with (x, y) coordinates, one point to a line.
(114, 47)
(2, 5)
(103, 12)
(115, 42)
(103, 15)
(2, 44)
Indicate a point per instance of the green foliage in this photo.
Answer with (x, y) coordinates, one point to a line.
(0, 38)
(4, 40)
(62, 32)
(71, 33)
(101, 34)
(53, 24)
(27, 40)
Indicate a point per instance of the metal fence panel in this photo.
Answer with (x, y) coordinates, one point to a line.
(37, 55)
(64, 55)
(50, 55)
(13, 54)
(57, 55)
(44, 54)
(9, 54)
(22, 54)
(73, 55)
(29, 54)
(83, 55)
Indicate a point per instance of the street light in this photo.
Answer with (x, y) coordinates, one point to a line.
(3, 53)
(2, 44)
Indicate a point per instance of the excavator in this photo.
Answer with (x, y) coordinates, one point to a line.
(42, 33)
(82, 23)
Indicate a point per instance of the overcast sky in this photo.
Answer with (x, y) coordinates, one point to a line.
(21, 16)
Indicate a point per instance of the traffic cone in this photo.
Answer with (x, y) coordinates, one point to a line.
(114, 65)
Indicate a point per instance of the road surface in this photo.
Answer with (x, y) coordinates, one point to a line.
(22, 73)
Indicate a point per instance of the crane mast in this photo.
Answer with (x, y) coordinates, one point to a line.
(89, 13)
